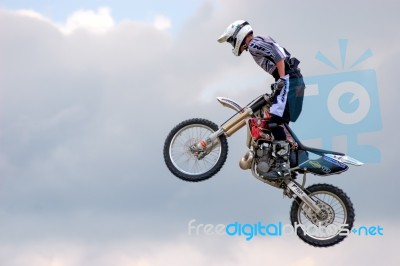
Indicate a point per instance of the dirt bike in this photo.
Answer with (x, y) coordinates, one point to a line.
(322, 215)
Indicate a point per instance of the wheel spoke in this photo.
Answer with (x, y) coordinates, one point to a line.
(181, 156)
(323, 228)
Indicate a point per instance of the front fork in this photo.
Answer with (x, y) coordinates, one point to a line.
(292, 186)
(203, 147)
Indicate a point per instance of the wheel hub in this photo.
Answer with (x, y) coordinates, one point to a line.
(190, 152)
(325, 217)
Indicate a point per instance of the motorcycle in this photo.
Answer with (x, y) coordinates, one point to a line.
(322, 215)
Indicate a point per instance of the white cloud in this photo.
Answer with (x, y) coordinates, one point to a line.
(205, 250)
(82, 125)
(162, 23)
(94, 21)
(32, 14)
(98, 21)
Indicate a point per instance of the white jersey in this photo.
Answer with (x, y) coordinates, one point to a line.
(266, 52)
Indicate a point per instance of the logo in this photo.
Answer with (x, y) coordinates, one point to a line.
(347, 102)
(258, 47)
(315, 164)
(261, 229)
(325, 169)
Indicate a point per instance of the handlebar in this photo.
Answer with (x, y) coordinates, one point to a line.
(258, 104)
(264, 99)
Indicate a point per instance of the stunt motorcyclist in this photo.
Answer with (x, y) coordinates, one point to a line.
(289, 85)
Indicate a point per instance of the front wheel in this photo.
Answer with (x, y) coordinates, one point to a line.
(180, 159)
(332, 225)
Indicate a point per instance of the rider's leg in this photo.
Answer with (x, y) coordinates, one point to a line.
(281, 151)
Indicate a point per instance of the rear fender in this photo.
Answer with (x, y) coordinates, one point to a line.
(328, 164)
(323, 166)
(345, 159)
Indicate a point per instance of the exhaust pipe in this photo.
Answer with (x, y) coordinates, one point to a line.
(247, 160)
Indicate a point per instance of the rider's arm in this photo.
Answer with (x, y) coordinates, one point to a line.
(280, 65)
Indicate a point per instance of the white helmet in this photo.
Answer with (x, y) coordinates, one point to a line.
(235, 34)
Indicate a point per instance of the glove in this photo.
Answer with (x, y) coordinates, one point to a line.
(279, 84)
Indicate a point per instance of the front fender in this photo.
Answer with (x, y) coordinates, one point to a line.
(226, 102)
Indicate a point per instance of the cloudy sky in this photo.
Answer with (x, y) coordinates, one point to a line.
(90, 89)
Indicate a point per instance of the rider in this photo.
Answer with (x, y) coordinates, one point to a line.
(289, 85)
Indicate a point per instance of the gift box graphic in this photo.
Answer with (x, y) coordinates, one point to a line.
(345, 104)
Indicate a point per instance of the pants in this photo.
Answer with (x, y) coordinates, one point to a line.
(278, 132)
(293, 106)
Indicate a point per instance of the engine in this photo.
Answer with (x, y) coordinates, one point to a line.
(263, 158)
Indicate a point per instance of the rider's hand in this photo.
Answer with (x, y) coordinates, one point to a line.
(279, 84)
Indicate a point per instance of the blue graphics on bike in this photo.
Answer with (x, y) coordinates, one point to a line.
(324, 166)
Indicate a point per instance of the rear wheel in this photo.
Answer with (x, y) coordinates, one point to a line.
(181, 160)
(332, 225)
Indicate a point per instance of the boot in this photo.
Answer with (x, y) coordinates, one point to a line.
(282, 165)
